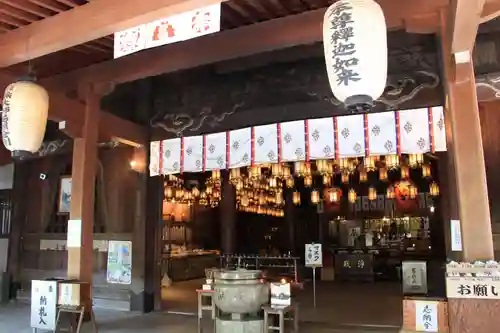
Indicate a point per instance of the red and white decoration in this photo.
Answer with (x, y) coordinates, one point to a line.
(177, 28)
(375, 134)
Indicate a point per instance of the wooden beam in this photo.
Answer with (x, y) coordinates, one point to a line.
(294, 30)
(464, 20)
(88, 22)
(111, 127)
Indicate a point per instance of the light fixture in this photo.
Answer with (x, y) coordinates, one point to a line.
(412, 192)
(391, 161)
(344, 165)
(344, 177)
(300, 168)
(426, 171)
(169, 192)
(390, 192)
(405, 172)
(314, 196)
(196, 192)
(296, 198)
(277, 170)
(357, 81)
(327, 180)
(363, 176)
(216, 175)
(382, 174)
(372, 194)
(334, 195)
(25, 111)
(369, 163)
(352, 196)
(414, 160)
(286, 173)
(290, 182)
(434, 189)
(308, 181)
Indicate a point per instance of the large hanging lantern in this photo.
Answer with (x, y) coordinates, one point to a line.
(25, 111)
(355, 44)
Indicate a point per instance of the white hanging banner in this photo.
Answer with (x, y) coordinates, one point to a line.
(293, 141)
(414, 131)
(265, 144)
(438, 127)
(171, 152)
(129, 41)
(456, 236)
(240, 148)
(408, 132)
(176, 28)
(382, 133)
(351, 136)
(320, 137)
(215, 151)
(193, 154)
(154, 158)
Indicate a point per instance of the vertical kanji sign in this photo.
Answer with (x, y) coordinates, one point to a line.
(314, 255)
(43, 304)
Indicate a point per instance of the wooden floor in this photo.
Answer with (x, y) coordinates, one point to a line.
(377, 305)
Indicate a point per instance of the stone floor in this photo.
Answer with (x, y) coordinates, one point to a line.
(14, 318)
(341, 308)
(338, 304)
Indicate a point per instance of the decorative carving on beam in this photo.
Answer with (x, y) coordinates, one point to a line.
(273, 94)
(63, 146)
(488, 87)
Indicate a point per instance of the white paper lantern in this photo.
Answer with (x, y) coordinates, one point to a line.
(24, 117)
(355, 44)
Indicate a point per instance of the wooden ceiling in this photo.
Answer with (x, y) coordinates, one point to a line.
(235, 13)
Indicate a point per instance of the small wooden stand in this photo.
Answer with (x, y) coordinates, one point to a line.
(280, 312)
(202, 294)
(76, 314)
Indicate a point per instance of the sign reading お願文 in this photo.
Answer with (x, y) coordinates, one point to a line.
(314, 255)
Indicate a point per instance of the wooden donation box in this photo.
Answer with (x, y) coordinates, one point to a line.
(425, 314)
(74, 294)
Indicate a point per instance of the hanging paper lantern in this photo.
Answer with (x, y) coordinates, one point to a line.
(277, 170)
(196, 192)
(372, 194)
(296, 198)
(290, 182)
(169, 193)
(352, 195)
(327, 180)
(344, 164)
(286, 173)
(273, 182)
(300, 168)
(355, 45)
(434, 189)
(24, 117)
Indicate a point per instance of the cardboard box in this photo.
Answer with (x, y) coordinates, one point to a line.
(425, 314)
(74, 293)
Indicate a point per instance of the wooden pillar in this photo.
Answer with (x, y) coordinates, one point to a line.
(80, 253)
(469, 187)
(290, 218)
(19, 211)
(467, 156)
(145, 291)
(227, 211)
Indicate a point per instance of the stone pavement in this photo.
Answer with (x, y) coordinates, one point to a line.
(14, 318)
